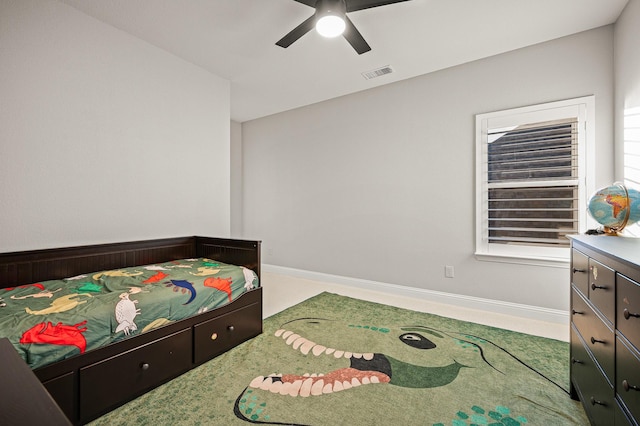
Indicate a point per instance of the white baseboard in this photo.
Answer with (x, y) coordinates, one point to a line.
(468, 302)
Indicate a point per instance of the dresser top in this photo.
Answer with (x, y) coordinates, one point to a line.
(625, 249)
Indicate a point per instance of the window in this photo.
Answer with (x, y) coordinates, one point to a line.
(531, 185)
(632, 157)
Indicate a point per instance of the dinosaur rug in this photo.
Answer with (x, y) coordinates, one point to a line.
(334, 360)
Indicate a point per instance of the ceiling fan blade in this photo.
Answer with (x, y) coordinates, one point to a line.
(353, 5)
(297, 32)
(354, 38)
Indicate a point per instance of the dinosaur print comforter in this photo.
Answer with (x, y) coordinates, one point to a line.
(54, 320)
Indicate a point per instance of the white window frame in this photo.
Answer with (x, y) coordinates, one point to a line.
(584, 109)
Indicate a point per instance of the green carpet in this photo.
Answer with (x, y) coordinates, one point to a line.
(398, 366)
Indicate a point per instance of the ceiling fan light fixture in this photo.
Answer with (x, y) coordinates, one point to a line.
(330, 26)
(330, 20)
(330, 17)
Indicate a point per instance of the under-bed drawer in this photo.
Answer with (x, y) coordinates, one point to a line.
(213, 337)
(62, 391)
(106, 384)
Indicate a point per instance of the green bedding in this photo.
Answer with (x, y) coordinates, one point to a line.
(54, 320)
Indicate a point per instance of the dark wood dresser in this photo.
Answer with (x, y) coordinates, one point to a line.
(23, 399)
(605, 328)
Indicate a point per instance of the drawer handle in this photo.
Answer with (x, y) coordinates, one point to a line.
(581, 271)
(628, 314)
(231, 328)
(576, 361)
(594, 286)
(594, 341)
(574, 312)
(627, 387)
(144, 366)
(595, 401)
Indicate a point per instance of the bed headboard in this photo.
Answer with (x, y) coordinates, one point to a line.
(26, 267)
(235, 252)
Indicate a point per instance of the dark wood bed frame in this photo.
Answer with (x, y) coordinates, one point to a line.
(89, 385)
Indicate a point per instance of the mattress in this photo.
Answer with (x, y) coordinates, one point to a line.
(53, 320)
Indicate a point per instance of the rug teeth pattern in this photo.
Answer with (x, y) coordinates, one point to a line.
(441, 372)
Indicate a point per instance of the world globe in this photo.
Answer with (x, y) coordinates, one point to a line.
(615, 207)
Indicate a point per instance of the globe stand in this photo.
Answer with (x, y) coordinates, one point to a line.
(611, 231)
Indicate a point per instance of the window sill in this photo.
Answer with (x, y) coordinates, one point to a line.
(551, 262)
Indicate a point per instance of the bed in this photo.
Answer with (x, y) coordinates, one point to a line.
(146, 343)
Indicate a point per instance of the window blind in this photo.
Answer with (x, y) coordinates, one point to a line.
(532, 183)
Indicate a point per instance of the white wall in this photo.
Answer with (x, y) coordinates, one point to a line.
(104, 137)
(236, 179)
(379, 185)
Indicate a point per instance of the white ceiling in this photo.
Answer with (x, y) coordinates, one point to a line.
(235, 39)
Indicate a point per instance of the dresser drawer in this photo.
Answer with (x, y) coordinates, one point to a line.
(622, 418)
(218, 335)
(593, 389)
(628, 309)
(598, 336)
(580, 271)
(602, 281)
(628, 377)
(105, 384)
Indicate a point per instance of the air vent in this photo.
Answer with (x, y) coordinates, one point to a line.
(377, 72)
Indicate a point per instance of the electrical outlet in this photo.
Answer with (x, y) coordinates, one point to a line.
(448, 271)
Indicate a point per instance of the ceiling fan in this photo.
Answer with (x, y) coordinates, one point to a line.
(330, 20)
